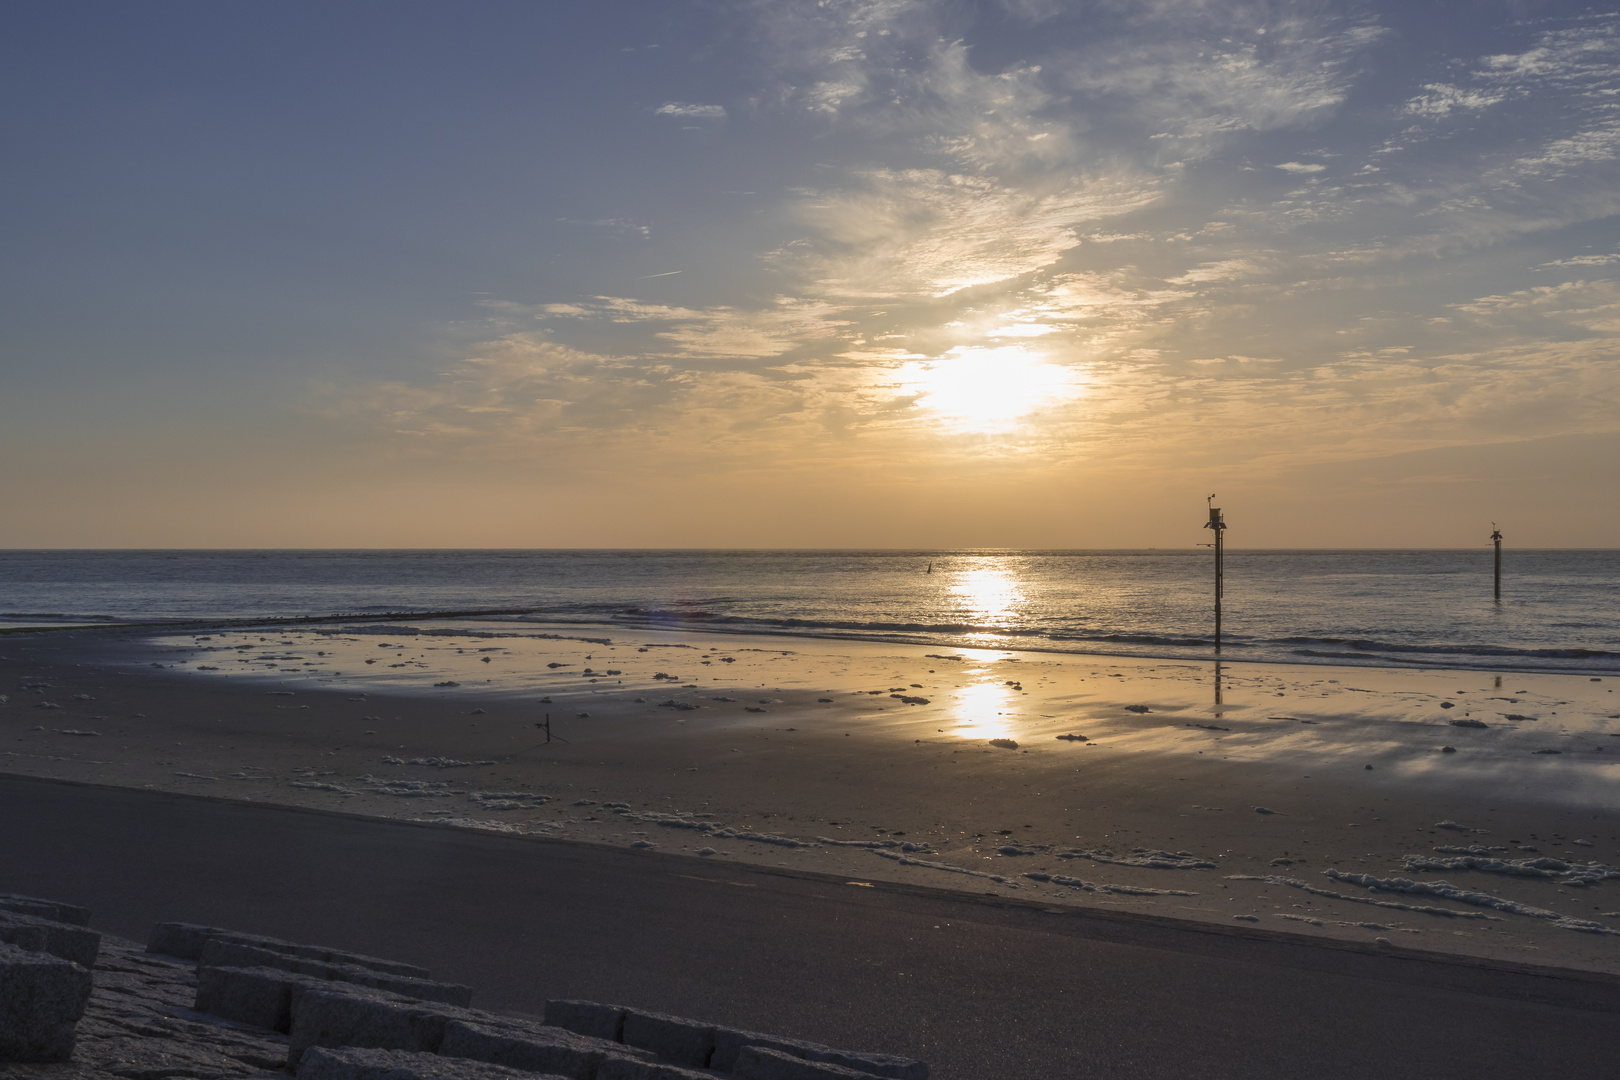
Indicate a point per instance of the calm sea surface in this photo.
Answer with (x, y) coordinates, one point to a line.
(1559, 610)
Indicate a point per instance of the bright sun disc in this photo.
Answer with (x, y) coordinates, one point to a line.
(979, 389)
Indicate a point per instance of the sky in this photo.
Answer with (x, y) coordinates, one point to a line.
(809, 273)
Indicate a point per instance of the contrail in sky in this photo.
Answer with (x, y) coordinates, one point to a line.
(666, 273)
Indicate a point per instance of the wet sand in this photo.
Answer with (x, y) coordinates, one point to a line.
(876, 762)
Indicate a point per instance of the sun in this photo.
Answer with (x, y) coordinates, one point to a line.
(977, 389)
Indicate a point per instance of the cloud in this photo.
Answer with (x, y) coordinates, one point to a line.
(1585, 260)
(718, 332)
(928, 232)
(1593, 306)
(1296, 167)
(618, 309)
(1561, 156)
(1442, 99)
(1224, 270)
(688, 111)
(786, 327)
(1193, 72)
(617, 224)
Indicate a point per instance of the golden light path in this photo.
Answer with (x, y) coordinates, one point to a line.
(990, 593)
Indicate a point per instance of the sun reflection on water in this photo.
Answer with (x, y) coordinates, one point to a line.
(988, 595)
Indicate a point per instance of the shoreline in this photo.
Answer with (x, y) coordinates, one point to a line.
(1013, 642)
(1263, 809)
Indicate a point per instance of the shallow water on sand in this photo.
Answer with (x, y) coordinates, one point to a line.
(1552, 733)
(1319, 799)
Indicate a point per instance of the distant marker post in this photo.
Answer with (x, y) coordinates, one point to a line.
(1217, 523)
(1496, 539)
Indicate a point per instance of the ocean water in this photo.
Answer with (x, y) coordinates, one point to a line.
(1560, 610)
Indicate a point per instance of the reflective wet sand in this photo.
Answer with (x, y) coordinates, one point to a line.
(1149, 785)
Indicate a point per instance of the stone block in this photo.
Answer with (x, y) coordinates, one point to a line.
(41, 999)
(679, 1041)
(181, 940)
(535, 1047)
(258, 996)
(29, 937)
(729, 1042)
(76, 943)
(888, 1065)
(587, 1018)
(223, 951)
(618, 1067)
(188, 940)
(763, 1063)
(54, 910)
(338, 1014)
(352, 1063)
(325, 955)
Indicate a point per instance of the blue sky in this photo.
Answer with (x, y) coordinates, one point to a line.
(837, 273)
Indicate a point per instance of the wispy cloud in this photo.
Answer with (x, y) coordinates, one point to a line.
(1442, 99)
(1585, 260)
(927, 232)
(616, 224)
(688, 111)
(1194, 72)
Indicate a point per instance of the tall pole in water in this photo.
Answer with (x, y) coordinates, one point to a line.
(1496, 538)
(1218, 524)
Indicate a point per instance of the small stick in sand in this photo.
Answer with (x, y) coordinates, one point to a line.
(546, 724)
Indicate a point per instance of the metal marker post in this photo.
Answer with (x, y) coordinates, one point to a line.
(1218, 524)
(1496, 538)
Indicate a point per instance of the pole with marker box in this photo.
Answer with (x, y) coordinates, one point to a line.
(1496, 539)
(1217, 523)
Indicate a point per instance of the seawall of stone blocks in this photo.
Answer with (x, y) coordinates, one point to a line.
(347, 1016)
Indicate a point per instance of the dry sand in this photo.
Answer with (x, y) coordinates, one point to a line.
(1236, 795)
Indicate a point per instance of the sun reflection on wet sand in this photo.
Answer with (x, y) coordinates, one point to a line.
(983, 710)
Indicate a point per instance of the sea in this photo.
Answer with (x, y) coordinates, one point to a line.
(1559, 609)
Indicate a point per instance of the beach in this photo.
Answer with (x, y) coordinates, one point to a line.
(1308, 799)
